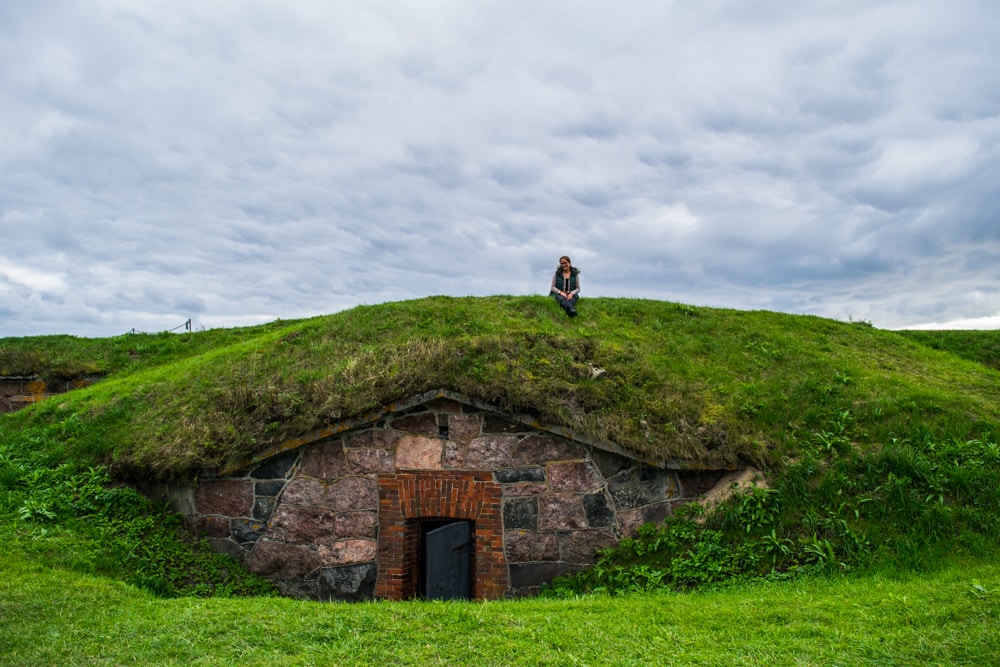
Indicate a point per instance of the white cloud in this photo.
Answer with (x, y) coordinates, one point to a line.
(239, 161)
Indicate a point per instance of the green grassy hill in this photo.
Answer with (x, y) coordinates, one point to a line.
(719, 387)
(877, 448)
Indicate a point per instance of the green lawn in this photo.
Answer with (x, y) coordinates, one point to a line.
(951, 617)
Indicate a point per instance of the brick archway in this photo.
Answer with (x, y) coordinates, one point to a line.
(406, 499)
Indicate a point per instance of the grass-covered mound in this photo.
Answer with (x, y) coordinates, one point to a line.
(877, 447)
(706, 385)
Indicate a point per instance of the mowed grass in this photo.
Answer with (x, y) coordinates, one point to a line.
(55, 617)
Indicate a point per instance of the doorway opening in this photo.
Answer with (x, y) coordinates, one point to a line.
(413, 507)
(446, 560)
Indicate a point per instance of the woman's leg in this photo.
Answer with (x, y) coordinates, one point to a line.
(568, 305)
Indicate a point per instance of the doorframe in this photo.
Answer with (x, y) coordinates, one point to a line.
(408, 498)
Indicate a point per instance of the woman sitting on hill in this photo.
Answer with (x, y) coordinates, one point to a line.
(566, 285)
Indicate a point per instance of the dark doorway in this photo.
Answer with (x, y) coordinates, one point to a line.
(447, 556)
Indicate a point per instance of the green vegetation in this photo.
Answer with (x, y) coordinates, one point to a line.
(979, 346)
(879, 452)
(52, 617)
(709, 385)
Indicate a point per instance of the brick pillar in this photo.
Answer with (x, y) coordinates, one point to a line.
(407, 498)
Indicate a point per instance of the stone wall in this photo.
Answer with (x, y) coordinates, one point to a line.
(19, 392)
(340, 518)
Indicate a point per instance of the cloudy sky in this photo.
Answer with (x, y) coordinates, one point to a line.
(238, 161)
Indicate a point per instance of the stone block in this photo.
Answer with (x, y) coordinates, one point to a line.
(345, 552)
(350, 583)
(369, 461)
(694, 484)
(575, 476)
(642, 486)
(301, 491)
(539, 449)
(561, 511)
(244, 531)
(465, 427)
(300, 589)
(347, 493)
(490, 452)
(630, 520)
(522, 546)
(376, 438)
(520, 514)
(356, 524)
(598, 510)
(609, 463)
(324, 461)
(523, 489)
(494, 423)
(263, 508)
(276, 467)
(268, 488)
(454, 455)
(516, 475)
(287, 561)
(424, 424)
(209, 526)
(581, 546)
(352, 493)
(415, 452)
(302, 524)
(231, 498)
(229, 548)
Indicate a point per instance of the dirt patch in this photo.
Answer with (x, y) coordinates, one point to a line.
(733, 482)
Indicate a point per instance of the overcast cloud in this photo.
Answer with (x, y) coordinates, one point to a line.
(238, 161)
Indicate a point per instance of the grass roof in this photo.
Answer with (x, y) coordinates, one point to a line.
(711, 386)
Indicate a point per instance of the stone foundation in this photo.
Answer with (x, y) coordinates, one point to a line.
(340, 517)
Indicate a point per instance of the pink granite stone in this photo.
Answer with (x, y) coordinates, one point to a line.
(372, 461)
(523, 489)
(424, 424)
(352, 493)
(561, 511)
(522, 546)
(454, 455)
(575, 476)
(418, 453)
(290, 561)
(372, 439)
(325, 461)
(303, 491)
(538, 449)
(489, 452)
(301, 524)
(225, 497)
(357, 524)
(344, 552)
(581, 546)
(465, 427)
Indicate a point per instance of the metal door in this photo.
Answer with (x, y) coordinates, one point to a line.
(448, 559)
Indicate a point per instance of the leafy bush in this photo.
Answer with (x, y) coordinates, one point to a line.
(77, 517)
